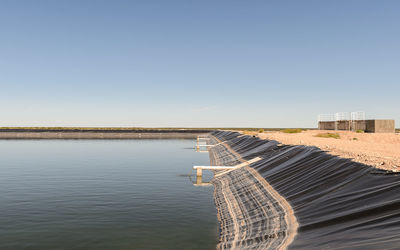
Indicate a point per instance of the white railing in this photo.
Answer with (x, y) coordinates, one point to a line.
(358, 116)
(352, 117)
(342, 116)
(326, 118)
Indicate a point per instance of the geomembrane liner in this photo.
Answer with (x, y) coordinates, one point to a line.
(299, 197)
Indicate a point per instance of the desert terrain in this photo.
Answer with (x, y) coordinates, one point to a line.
(381, 150)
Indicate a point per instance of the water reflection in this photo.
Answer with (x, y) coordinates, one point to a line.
(111, 194)
(199, 182)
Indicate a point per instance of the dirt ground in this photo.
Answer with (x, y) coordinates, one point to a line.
(381, 150)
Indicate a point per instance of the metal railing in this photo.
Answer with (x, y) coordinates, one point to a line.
(326, 118)
(358, 116)
(343, 119)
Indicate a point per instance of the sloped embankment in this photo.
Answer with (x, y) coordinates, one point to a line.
(299, 197)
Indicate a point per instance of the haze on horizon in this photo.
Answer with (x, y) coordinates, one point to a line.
(197, 63)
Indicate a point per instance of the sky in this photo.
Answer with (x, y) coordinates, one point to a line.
(197, 63)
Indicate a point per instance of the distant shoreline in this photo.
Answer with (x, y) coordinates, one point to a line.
(95, 133)
(135, 129)
(102, 130)
(111, 132)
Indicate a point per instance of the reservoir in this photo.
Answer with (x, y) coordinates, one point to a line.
(104, 194)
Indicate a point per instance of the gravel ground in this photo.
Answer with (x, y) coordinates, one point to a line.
(381, 150)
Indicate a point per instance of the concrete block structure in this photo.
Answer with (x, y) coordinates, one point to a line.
(354, 121)
(358, 125)
(326, 125)
(343, 125)
(380, 126)
(370, 126)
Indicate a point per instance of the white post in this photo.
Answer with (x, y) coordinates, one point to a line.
(199, 172)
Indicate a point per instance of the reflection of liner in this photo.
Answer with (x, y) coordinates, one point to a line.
(251, 213)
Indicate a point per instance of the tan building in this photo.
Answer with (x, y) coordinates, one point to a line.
(371, 126)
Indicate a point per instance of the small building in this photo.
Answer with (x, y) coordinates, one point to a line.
(379, 126)
(326, 125)
(354, 122)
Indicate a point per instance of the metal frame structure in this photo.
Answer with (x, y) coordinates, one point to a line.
(357, 116)
(351, 118)
(326, 118)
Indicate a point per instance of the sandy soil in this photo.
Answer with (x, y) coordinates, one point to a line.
(380, 150)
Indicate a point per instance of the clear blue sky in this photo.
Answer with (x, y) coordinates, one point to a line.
(197, 63)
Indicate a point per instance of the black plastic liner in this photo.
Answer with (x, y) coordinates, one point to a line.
(338, 203)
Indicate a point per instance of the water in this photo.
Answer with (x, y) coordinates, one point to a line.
(103, 194)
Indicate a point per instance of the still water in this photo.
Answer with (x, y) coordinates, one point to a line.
(104, 194)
